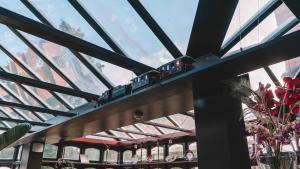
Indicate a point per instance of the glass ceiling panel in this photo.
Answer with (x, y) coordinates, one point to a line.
(260, 75)
(132, 128)
(128, 30)
(185, 122)
(287, 68)
(265, 28)
(64, 17)
(10, 112)
(116, 74)
(244, 11)
(74, 101)
(17, 7)
(99, 138)
(177, 25)
(63, 59)
(165, 121)
(148, 129)
(120, 134)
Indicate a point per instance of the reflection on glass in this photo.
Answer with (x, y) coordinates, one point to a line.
(71, 153)
(157, 153)
(177, 150)
(127, 156)
(50, 151)
(193, 148)
(63, 59)
(177, 25)
(111, 156)
(141, 154)
(7, 153)
(92, 154)
(128, 30)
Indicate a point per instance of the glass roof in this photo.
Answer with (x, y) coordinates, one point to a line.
(29, 56)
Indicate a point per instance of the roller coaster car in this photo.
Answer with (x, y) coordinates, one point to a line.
(179, 65)
(144, 80)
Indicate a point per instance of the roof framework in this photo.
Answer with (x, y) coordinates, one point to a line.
(207, 37)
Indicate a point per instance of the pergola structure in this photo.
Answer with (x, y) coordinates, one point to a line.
(63, 108)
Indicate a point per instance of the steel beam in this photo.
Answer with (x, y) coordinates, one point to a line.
(250, 25)
(166, 126)
(156, 29)
(84, 61)
(47, 86)
(294, 6)
(38, 109)
(33, 27)
(34, 76)
(210, 26)
(136, 132)
(168, 96)
(24, 121)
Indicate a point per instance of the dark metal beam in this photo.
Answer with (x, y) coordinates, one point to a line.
(34, 76)
(113, 137)
(97, 27)
(156, 29)
(250, 25)
(169, 97)
(272, 76)
(38, 109)
(166, 126)
(44, 58)
(47, 86)
(294, 6)
(136, 132)
(25, 24)
(173, 122)
(24, 121)
(16, 97)
(210, 26)
(78, 55)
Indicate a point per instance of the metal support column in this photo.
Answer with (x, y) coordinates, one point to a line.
(220, 133)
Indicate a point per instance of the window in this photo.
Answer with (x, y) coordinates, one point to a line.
(157, 153)
(193, 148)
(71, 153)
(176, 149)
(50, 151)
(7, 153)
(111, 156)
(92, 154)
(141, 154)
(127, 155)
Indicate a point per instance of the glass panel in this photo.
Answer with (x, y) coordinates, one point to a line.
(127, 156)
(177, 25)
(270, 24)
(120, 134)
(7, 153)
(74, 101)
(260, 75)
(10, 112)
(111, 156)
(92, 154)
(100, 138)
(116, 74)
(176, 149)
(17, 7)
(64, 17)
(128, 30)
(50, 151)
(132, 128)
(185, 122)
(165, 121)
(294, 29)
(71, 153)
(63, 59)
(289, 68)
(193, 148)
(141, 154)
(244, 11)
(148, 128)
(157, 153)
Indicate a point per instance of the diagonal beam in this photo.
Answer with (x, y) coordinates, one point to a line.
(136, 132)
(210, 25)
(166, 126)
(24, 121)
(294, 6)
(155, 28)
(46, 86)
(113, 137)
(34, 76)
(84, 61)
(96, 26)
(38, 109)
(250, 25)
(33, 27)
(15, 96)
